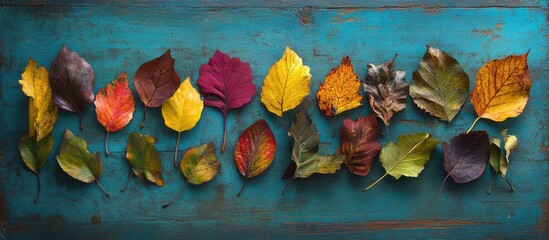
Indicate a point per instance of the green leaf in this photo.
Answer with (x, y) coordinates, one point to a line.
(305, 148)
(75, 159)
(34, 154)
(407, 157)
(144, 158)
(199, 164)
(440, 85)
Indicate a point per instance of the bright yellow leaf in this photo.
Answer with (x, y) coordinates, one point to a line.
(340, 91)
(286, 84)
(42, 110)
(502, 88)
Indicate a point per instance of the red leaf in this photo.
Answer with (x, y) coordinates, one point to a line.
(156, 81)
(114, 106)
(359, 143)
(226, 83)
(255, 150)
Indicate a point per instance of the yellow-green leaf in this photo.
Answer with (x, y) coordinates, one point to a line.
(500, 161)
(199, 164)
(34, 154)
(286, 84)
(144, 158)
(42, 110)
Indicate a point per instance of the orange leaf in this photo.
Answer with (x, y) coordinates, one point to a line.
(502, 88)
(114, 105)
(340, 90)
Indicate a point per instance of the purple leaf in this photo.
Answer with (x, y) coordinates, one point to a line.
(465, 156)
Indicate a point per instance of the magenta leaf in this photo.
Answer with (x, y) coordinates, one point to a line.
(226, 83)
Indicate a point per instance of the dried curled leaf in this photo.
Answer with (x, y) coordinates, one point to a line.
(182, 111)
(305, 148)
(71, 79)
(340, 91)
(42, 110)
(440, 85)
(226, 83)
(500, 161)
(407, 157)
(386, 89)
(144, 158)
(255, 150)
(465, 156)
(286, 84)
(359, 143)
(114, 106)
(156, 81)
(502, 88)
(75, 159)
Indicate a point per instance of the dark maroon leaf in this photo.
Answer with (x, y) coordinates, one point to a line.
(226, 83)
(359, 143)
(156, 81)
(466, 155)
(71, 80)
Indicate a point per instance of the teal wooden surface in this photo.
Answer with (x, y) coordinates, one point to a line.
(116, 36)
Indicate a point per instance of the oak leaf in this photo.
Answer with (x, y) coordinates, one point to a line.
(254, 151)
(226, 83)
(286, 84)
(386, 89)
(359, 143)
(114, 106)
(440, 85)
(182, 111)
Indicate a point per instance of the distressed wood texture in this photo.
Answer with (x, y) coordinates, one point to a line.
(117, 36)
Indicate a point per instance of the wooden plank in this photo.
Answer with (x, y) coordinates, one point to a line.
(116, 39)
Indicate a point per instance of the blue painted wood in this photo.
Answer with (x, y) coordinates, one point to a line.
(116, 39)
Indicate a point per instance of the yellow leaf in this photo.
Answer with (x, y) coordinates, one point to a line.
(502, 88)
(340, 91)
(182, 111)
(286, 84)
(42, 110)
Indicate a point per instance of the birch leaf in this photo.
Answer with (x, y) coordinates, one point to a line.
(182, 111)
(440, 85)
(286, 84)
(407, 157)
(386, 89)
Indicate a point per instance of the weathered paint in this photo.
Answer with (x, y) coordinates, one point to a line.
(120, 35)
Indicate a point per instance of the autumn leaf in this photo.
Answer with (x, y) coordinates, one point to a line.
(499, 161)
(75, 159)
(144, 158)
(359, 143)
(465, 156)
(440, 85)
(198, 165)
(226, 83)
(114, 106)
(254, 151)
(407, 157)
(386, 89)
(340, 91)
(286, 84)
(34, 154)
(306, 161)
(502, 88)
(71, 79)
(182, 111)
(156, 81)
(42, 110)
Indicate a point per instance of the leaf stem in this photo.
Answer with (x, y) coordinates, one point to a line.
(144, 116)
(242, 188)
(286, 187)
(475, 122)
(176, 147)
(178, 195)
(107, 143)
(224, 132)
(38, 187)
(127, 182)
(492, 182)
(102, 188)
(371, 185)
(442, 185)
(80, 120)
(507, 180)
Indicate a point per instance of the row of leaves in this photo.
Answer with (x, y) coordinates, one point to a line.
(439, 87)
